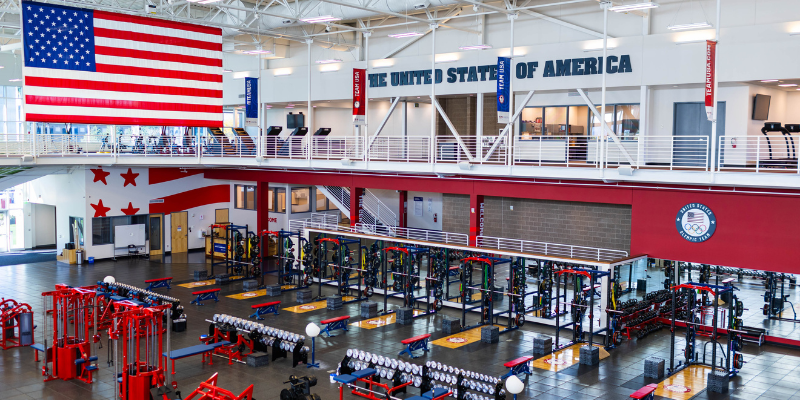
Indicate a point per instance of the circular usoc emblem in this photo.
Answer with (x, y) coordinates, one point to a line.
(696, 222)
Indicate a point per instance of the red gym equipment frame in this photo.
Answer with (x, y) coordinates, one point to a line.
(10, 312)
(143, 368)
(69, 354)
(208, 390)
(239, 348)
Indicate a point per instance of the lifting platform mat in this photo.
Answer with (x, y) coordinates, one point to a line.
(317, 305)
(462, 338)
(564, 358)
(685, 384)
(383, 320)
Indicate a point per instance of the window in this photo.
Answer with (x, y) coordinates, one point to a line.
(271, 200)
(280, 200)
(103, 227)
(244, 197)
(322, 203)
(301, 200)
(11, 110)
(627, 120)
(531, 124)
(578, 121)
(555, 121)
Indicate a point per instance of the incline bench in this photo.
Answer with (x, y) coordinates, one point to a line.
(265, 308)
(208, 294)
(419, 342)
(204, 349)
(645, 393)
(159, 282)
(518, 366)
(332, 324)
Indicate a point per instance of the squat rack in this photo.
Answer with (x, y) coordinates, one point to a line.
(579, 307)
(238, 250)
(409, 278)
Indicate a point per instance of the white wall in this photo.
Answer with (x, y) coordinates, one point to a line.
(67, 193)
(432, 200)
(40, 225)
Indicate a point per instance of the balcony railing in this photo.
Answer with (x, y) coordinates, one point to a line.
(775, 153)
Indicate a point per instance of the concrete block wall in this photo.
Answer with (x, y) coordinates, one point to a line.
(455, 213)
(601, 225)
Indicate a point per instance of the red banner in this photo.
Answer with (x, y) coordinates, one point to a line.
(359, 94)
(711, 54)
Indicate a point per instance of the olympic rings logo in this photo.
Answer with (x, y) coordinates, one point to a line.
(696, 222)
(697, 229)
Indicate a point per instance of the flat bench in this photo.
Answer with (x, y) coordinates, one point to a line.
(419, 342)
(332, 324)
(518, 366)
(208, 294)
(37, 347)
(593, 289)
(645, 393)
(436, 394)
(159, 282)
(204, 349)
(265, 308)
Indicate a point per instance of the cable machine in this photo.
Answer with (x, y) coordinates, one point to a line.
(16, 324)
(776, 304)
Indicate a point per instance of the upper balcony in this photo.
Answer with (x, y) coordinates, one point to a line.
(738, 160)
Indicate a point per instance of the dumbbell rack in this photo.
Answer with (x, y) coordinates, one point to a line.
(240, 331)
(463, 384)
(139, 296)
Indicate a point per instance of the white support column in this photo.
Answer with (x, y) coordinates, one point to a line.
(713, 156)
(479, 124)
(644, 96)
(310, 134)
(512, 72)
(262, 116)
(605, 6)
(365, 129)
(432, 149)
(404, 130)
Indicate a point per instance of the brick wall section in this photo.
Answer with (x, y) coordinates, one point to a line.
(455, 213)
(490, 125)
(584, 224)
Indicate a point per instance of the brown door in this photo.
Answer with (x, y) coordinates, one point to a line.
(180, 232)
(220, 217)
(156, 227)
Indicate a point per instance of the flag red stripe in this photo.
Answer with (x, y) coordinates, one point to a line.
(158, 73)
(158, 39)
(156, 56)
(89, 119)
(121, 87)
(123, 104)
(192, 198)
(156, 22)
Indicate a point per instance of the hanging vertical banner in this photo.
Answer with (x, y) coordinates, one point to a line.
(503, 76)
(250, 101)
(359, 92)
(711, 54)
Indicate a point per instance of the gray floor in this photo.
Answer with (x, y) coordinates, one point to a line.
(770, 373)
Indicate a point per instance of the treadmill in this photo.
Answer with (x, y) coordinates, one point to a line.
(790, 160)
(292, 147)
(323, 146)
(272, 140)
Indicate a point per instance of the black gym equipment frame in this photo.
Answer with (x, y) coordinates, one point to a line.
(244, 245)
(776, 304)
(579, 306)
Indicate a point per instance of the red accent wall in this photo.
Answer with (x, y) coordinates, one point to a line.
(192, 198)
(159, 175)
(754, 230)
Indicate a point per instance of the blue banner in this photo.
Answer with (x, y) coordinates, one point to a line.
(251, 101)
(503, 95)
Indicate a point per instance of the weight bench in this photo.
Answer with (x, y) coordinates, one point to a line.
(265, 308)
(37, 347)
(518, 366)
(645, 393)
(344, 380)
(208, 294)
(332, 324)
(159, 282)
(593, 290)
(204, 349)
(419, 342)
(436, 394)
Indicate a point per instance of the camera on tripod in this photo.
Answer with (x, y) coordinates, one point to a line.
(300, 388)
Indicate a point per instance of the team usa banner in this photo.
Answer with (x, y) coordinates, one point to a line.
(96, 67)
(251, 101)
(711, 55)
(359, 92)
(503, 79)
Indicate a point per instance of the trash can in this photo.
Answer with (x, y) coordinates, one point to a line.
(79, 256)
(26, 329)
(90, 260)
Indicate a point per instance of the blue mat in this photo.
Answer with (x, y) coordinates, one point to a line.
(24, 257)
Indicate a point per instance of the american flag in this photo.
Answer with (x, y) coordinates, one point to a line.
(694, 218)
(96, 67)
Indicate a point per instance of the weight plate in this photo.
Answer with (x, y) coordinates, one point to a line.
(738, 361)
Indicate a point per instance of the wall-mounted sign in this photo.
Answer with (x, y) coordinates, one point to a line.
(523, 70)
(251, 101)
(503, 81)
(359, 94)
(696, 222)
(711, 54)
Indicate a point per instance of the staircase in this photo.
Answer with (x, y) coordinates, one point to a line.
(373, 210)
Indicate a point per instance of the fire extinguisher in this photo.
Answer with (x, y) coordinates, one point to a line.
(733, 143)
(435, 217)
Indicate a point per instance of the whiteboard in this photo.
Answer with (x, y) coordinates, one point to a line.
(125, 235)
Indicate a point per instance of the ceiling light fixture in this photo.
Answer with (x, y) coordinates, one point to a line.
(320, 19)
(282, 71)
(257, 52)
(686, 27)
(329, 61)
(405, 35)
(15, 80)
(633, 7)
(691, 41)
(598, 49)
(227, 70)
(476, 47)
(769, 80)
(788, 85)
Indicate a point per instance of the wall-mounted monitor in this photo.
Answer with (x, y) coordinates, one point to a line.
(761, 107)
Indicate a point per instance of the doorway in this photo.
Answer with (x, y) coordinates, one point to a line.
(689, 119)
(156, 234)
(180, 232)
